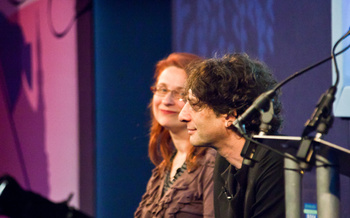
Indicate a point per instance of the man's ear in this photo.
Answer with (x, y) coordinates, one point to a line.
(229, 119)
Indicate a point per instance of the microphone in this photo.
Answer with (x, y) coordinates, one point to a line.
(320, 120)
(261, 103)
(321, 113)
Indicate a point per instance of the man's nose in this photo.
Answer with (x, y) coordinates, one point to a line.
(184, 115)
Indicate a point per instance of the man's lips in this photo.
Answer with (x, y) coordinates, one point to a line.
(191, 130)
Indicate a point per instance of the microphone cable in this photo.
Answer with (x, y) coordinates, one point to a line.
(70, 24)
(17, 2)
(278, 86)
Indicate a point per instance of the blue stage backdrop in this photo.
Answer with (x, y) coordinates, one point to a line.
(130, 37)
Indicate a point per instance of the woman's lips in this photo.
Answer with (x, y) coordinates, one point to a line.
(168, 112)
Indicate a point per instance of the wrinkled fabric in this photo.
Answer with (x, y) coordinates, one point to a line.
(190, 196)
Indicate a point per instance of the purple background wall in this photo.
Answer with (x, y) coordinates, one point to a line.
(288, 36)
(46, 108)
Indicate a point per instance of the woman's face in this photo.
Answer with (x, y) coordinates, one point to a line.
(166, 108)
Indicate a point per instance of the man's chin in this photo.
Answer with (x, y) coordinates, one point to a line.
(199, 144)
(204, 146)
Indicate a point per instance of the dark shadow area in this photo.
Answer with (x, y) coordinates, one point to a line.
(22, 123)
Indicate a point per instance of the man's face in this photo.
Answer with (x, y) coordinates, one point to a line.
(204, 126)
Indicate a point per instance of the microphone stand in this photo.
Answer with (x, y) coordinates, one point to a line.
(326, 162)
(292, 170)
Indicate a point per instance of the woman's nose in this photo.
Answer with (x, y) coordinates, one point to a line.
(168, 98)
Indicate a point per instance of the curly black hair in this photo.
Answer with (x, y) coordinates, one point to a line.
(229, 85)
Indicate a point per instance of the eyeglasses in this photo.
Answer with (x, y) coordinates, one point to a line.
(163, 91)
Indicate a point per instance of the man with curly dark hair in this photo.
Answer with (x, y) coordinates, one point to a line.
(219, 90)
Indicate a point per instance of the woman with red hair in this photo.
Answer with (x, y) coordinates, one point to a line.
(181, 184)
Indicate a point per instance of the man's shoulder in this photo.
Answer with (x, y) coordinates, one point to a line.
(265, 155)
(221, 163)
(268, 163)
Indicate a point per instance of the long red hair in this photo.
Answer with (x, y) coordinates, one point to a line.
(160, 146)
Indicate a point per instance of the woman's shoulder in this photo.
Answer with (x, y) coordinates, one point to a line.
(158, 171)
(209, 158)
(211, 153)
(156, 176)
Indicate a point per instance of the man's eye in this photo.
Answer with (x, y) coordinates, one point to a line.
(196, 108)
(194, 105)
